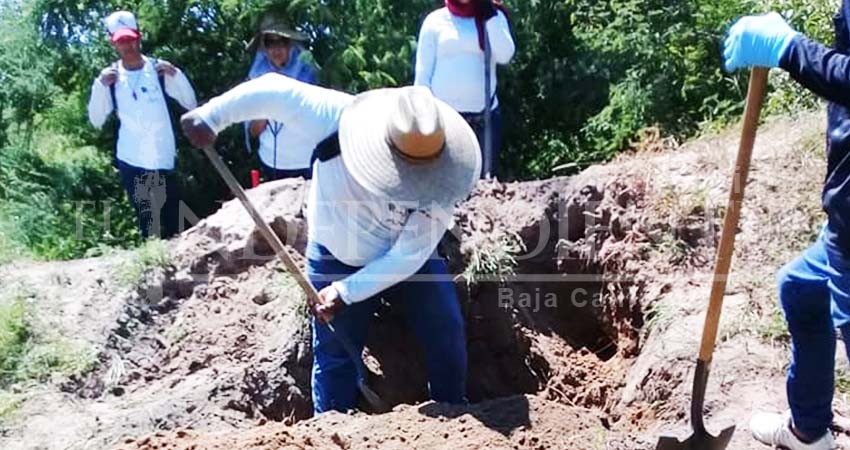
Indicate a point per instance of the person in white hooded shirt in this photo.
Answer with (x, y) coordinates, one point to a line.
(134, 87)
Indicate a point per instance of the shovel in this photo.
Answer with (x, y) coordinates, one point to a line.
(371, 397)
(701, 439)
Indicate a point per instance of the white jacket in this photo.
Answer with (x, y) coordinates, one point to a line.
(145, 137)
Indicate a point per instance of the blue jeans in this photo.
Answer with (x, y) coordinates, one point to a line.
(814, 291)
(476, 121)
(431, 309)
(155, 195)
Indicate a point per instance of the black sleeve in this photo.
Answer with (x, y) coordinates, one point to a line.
(820, 69)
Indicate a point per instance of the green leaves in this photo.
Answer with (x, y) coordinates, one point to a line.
(25, 63)
(621, 66)
(354, 59)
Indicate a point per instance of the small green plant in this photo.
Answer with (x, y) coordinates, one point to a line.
(9, 250)
(9, 403)
(600, 438)
(495, 259)
(177, 332)
(842, 388)
(773, 328)
(284, 285)
(29, 351)
(842, 381)
(658, 315)
(811, 145)
(43, 360)
(14, 335)
(677, 206)
(672, 249)
(153, 254)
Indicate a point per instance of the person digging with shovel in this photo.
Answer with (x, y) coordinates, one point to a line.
(814, 289)
(391, 164)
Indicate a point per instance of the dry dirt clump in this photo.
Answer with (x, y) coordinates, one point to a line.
(505, 423)
(582, 296)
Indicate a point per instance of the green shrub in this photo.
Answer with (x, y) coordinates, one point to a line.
(54, 201)
(14, 334)
(30, 351)
(10, 250)
(9, 403)
(494, 260)
(153, 254)
(814, 19)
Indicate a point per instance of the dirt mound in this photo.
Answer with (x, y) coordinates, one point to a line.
(223, 332)
(506, 423)
(228, 330)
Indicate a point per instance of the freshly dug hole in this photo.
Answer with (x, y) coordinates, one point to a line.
(553, 321)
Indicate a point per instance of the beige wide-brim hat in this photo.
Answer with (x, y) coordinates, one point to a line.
(405, 145)
(275, 24)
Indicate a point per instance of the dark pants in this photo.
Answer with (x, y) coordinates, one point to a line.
(430, 307)
(476, 121)
(155, 195)
(271, 174)
(814, 291)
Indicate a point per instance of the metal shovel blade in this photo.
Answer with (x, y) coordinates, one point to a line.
(371, 397)
(700, 440)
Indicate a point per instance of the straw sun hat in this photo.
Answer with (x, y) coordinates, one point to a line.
(406, 145)
(275, 24)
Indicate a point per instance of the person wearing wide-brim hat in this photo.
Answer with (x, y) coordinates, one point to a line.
(276, 25)
(279, 48)
(392, 164)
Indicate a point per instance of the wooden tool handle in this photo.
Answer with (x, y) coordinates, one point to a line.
(265, 229)
(371, 397)
(755, 96)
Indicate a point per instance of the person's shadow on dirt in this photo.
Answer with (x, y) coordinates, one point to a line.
(502, 415)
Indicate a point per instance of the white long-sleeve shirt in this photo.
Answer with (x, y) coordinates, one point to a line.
(390, 241)
(283, 146)
(145, 137)
(451, 63)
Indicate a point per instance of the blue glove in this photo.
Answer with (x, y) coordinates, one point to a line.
(757, 41)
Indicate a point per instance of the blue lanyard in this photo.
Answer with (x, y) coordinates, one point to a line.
(275, 128)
